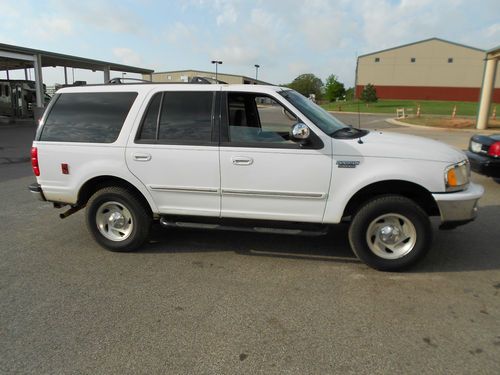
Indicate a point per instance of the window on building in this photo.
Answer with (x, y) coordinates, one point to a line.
(377, 59)
(413, 59)
(450, 60)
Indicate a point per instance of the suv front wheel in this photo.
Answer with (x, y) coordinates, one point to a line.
(117, 219)
(390, 233)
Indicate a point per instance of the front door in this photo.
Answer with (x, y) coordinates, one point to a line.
(175, 152)
(265, 174)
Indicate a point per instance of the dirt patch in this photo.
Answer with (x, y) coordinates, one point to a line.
(446, 122)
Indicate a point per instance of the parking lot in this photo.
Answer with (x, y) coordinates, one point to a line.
(204, 302)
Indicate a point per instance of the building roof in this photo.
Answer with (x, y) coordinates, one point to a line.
(211, 74)
(421, 41)
(495, 52)
(58, 59)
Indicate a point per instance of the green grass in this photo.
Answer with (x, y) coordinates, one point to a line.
(427, 107)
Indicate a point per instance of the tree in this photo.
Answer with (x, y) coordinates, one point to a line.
(334, 89)
(349, 94)
(307, 84)
(369, 94)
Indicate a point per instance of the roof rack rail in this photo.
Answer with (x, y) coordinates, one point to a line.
(120, 80)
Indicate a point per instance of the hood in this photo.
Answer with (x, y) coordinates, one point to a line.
(401, 146)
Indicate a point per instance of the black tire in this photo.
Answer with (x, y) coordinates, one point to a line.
(390, 209)
(136, 216)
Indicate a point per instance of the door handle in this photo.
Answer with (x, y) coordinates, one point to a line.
(242, 160)
(141, 157)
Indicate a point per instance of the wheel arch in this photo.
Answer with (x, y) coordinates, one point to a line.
(411, 190)
(99, 182)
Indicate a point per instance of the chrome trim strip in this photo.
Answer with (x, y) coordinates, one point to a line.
(279, 194)
(183, 189)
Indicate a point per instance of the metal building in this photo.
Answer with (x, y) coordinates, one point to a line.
(187, 75)
(431, 69)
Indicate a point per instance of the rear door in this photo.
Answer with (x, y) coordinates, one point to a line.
(175, 151)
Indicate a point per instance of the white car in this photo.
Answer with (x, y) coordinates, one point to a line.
(245, 157)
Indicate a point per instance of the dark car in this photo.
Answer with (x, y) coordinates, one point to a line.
(484, 155)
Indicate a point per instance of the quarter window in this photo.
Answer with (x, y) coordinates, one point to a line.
(95, 117)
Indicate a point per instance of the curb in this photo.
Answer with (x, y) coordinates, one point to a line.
(356, 113)
(400, 123)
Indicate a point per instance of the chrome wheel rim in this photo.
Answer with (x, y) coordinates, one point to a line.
(391, 236)
(114, 221)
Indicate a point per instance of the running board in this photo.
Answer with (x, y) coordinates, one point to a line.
(184, 224)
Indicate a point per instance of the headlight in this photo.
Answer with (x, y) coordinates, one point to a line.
(456, 176)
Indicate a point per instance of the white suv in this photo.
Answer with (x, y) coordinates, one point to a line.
(243, 157)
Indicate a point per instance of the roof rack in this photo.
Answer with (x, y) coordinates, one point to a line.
(121, 80)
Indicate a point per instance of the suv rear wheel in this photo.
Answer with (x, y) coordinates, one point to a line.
(117, 219)
(390, 233)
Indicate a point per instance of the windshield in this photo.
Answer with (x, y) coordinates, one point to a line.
(321, 118)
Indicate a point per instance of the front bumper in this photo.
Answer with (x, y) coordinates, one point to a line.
(484, 165)
(37, 191)
(459, 207)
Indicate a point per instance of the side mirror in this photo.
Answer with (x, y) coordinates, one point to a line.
(300, 132)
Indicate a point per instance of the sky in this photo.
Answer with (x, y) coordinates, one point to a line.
(285, 37)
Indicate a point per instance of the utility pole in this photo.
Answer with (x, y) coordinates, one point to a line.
(257, 66)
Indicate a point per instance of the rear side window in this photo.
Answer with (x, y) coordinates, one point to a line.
(181, 117)
(87, 117)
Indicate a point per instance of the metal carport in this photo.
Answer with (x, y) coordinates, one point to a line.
(15, 57)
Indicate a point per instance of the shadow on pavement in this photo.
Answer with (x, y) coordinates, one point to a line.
(473, 247)
(332, 247)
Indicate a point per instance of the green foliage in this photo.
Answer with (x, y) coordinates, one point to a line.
(334, 90)
(369, 94)
(307, 84)
(349, 94)
(427, 107)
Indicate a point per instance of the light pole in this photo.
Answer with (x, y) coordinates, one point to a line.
(123, 75)
(257, 66)
(216, 62)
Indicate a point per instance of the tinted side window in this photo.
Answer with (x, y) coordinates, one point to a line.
(87, 117)
(149, 124)
(186, 117)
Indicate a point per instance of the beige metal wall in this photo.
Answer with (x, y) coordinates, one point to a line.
(431, 67)
(177, 76)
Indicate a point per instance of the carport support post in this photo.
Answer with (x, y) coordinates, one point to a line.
(106, 74)
(65, 76)
(486, 92)
(37, 63)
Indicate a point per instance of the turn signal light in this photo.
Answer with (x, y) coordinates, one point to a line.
(34, 161)
(494, 150)
(452, 177)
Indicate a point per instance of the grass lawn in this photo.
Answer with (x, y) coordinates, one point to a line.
(427, 107)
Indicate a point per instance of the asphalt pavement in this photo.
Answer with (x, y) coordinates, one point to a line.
(204, 302)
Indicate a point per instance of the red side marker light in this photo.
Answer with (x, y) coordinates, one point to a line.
(64, 168)
(34, 161)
